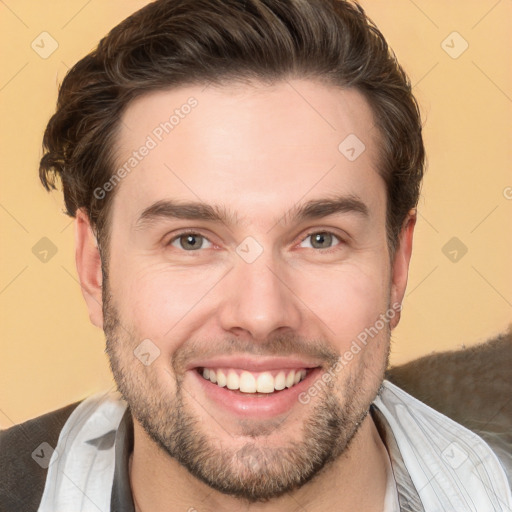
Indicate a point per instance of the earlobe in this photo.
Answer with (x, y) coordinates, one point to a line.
(88, 264)
(402, 258)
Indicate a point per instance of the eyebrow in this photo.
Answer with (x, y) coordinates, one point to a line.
(313, 209)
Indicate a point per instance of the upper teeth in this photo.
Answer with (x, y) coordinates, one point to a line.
(248, 382)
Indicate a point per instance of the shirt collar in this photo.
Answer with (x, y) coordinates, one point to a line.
(408, 496)
(122, 500)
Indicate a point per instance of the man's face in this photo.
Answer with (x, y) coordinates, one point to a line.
(269, 288)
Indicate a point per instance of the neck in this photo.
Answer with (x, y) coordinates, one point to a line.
(160, 484)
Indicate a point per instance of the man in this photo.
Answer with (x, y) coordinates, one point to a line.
(244, 177)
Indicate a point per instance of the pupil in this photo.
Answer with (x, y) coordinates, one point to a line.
(322, 240)
(190, 242)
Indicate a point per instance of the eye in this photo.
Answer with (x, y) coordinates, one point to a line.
(190, 242)
(320, 240)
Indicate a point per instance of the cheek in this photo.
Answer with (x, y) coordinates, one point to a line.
(157, 300)
(346, 301)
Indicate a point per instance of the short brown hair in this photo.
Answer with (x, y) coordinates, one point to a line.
(171, 43)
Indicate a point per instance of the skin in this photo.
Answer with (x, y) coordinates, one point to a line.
(258, 151)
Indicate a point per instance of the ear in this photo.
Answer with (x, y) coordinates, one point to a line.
(401, 260)
(88, 264)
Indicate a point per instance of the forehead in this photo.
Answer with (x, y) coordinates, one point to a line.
(248, 146)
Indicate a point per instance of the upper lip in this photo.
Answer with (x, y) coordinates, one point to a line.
(254, 364)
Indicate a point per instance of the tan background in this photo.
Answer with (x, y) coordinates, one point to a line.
(51, 355)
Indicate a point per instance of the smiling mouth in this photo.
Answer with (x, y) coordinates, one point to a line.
(243, 382)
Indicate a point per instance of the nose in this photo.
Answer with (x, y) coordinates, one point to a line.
(259, 300)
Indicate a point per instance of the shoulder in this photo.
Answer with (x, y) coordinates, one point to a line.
(471, 386)
(25, 451)
(434, 445)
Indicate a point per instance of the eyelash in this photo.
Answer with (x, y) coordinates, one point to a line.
(311, 233)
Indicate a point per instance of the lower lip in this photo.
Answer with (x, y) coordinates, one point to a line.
(251, 406)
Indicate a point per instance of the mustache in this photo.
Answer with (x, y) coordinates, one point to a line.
(282, 345)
